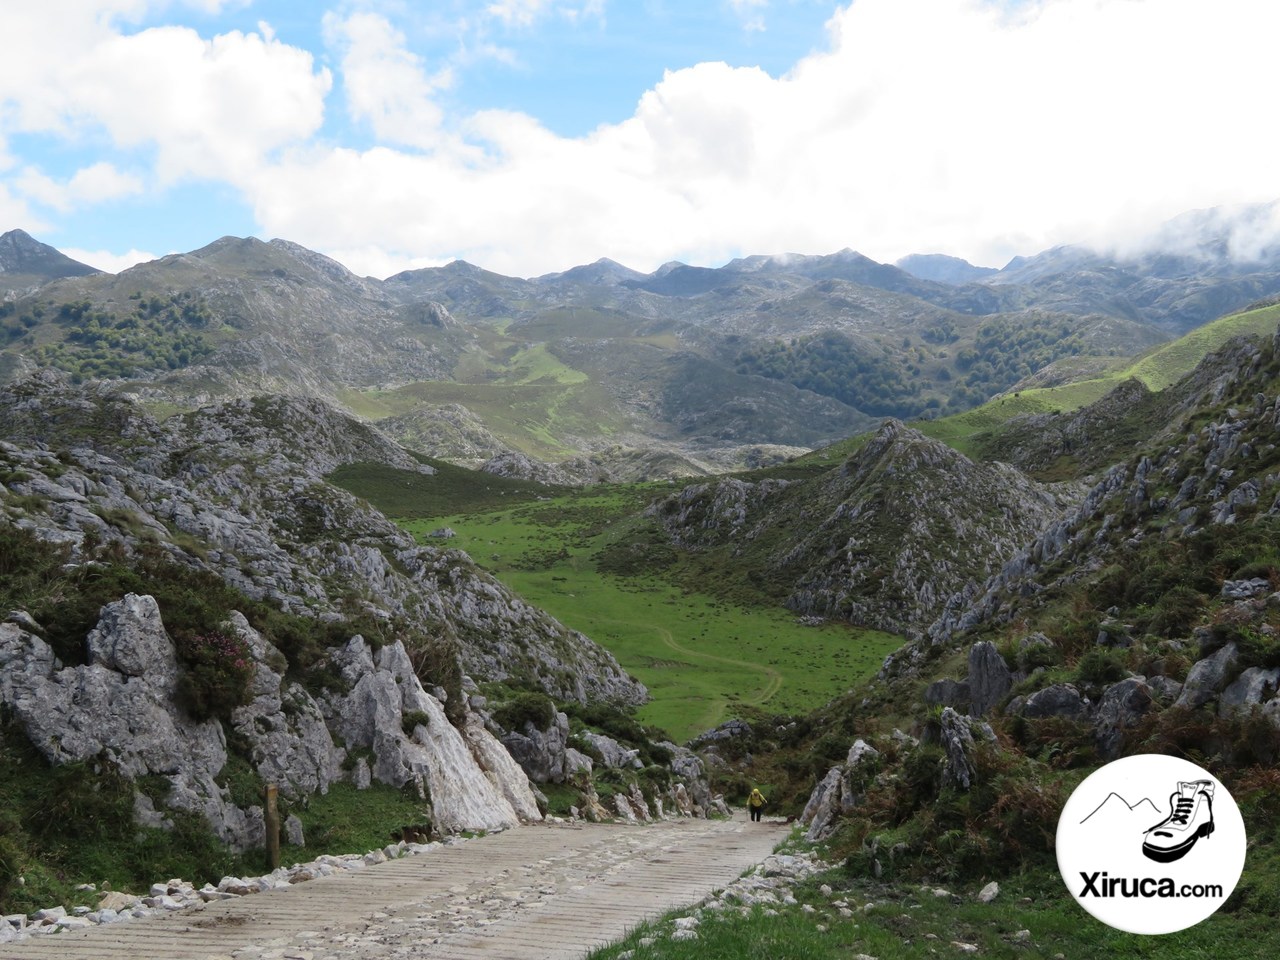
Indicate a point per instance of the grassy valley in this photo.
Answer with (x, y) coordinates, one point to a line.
(705, 653)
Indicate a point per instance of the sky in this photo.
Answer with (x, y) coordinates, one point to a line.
(529, 136)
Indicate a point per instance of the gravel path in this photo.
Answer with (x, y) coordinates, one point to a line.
(546, 891)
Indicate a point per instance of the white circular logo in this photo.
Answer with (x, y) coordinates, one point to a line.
(1151, 844)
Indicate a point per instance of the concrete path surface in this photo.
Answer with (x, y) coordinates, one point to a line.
(545, 891)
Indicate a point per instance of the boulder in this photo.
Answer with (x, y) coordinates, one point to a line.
(1207, 677)
(1059, 700)
(989, 678)
(1254, 687)
(837, 793)
(948, 693)
(540, 752)
(613, 754)
(1122, 706)
(130, 639)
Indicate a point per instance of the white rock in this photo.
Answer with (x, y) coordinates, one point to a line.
(989, 892)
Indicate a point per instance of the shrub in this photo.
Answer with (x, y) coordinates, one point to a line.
(217, 672)
(410, 720)
(1177, 612)
(535, 708)
(1098, 667)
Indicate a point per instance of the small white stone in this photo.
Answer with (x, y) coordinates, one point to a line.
(989, 892)
(965, 947)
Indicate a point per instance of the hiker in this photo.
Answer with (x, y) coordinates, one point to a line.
(755, 803)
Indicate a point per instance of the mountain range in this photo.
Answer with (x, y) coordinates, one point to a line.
(614, 372)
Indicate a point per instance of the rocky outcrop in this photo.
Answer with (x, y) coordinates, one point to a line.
(289, 743)
(384, 690)
(123, 706)
(130, 719)
(957, 739)
(839, 792)
(882, 540)
(238, 488)
(1122, 706)
(989, 678)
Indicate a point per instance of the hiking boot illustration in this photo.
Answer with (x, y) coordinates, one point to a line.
(1190, 818)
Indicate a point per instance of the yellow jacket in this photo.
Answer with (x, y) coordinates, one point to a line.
(757, 799)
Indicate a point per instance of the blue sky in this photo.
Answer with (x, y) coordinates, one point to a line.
(531, 135)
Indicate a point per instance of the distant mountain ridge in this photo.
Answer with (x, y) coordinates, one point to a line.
(694, 364)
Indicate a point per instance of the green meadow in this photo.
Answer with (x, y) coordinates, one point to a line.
(703, 657)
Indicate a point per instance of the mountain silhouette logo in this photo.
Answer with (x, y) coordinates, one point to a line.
(1143, 863)
(1190, 818)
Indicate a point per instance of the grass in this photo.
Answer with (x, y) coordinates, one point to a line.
(529, 414)
(1157, 369)
(908, 922)
(702, 657)
(347, 820)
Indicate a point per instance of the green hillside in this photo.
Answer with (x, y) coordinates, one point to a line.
(1157, 369)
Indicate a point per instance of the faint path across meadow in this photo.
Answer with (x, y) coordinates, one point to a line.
(546, 891)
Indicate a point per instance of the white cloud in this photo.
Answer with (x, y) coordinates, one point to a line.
(89, 185)
(207, 107)
(971, 127)
(751, 12)
(108, 261)
(15, 213)
(524, 13)
(386, 85)
(946, 125)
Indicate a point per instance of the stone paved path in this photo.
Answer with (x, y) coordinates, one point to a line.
(530, 893)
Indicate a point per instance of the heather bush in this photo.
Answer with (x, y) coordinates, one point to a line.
(216, 676)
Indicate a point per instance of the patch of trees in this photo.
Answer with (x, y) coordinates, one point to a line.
(870, 378)
(888, 380)
(159, 333)
(1004, 351)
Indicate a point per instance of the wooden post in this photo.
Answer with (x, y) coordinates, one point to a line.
(272, 817)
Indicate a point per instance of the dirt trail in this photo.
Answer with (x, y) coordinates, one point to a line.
(546, 891)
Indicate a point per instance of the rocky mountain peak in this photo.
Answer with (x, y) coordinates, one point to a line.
(20, 253)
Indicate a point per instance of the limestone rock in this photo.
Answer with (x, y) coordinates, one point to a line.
(989, 678)
(948, 693)
(956, 737)
(1207, 677)
(130, 639)
(1058, 700)
(1122, 706)
(435, 755)
(837, 793)
(499, 765)
(290, 744)
(612, 754)
(541, 753)
(1254, 687)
